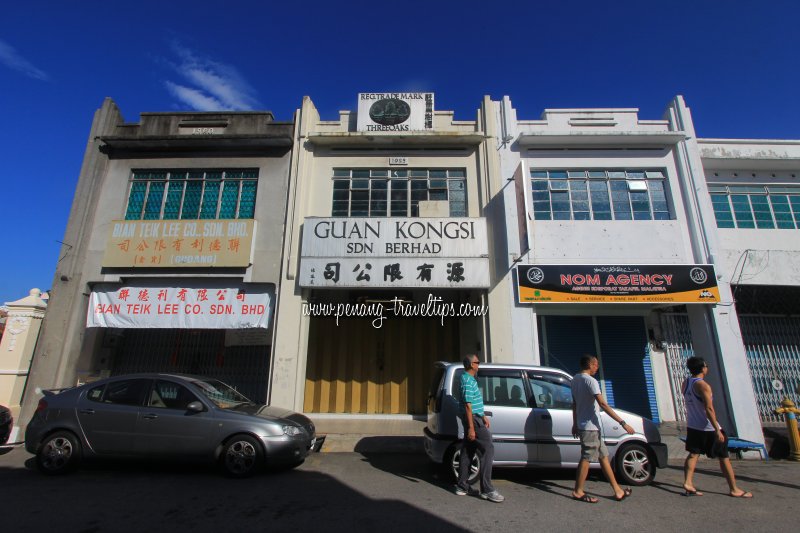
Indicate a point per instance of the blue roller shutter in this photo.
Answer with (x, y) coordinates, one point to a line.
(626, 365)
(568, 339)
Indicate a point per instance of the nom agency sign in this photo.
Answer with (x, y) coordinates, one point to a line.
(617, 284)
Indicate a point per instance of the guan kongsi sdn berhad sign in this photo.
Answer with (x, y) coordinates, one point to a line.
(395, 112)
(617, 284)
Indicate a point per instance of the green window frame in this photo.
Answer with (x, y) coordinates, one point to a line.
(192, 194)
(756, 206)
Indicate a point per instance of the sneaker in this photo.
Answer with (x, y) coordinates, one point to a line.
(493, 496)
(460, 492)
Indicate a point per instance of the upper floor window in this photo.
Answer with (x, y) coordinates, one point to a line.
(192, 194)
(756, 206)
(396, 193)
(599, 195)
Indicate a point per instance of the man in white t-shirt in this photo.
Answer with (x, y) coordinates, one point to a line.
(586, 397)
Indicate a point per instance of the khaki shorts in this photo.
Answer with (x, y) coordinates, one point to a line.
(592, 446)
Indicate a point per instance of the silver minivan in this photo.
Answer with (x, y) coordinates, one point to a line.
(530, 409)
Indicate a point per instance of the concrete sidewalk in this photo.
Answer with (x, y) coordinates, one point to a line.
(403, 434)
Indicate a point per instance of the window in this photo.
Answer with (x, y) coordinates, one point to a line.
(502, 388)
(599, 195)
(169, 395)
(550, 391)
(396, 193)
(192, 194)
(756, 206)
(126, 392)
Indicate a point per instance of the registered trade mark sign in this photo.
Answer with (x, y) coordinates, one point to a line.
(616, 284)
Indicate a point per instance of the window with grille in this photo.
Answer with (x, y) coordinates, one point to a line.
(192, 194)
(599, 195)
(396, 193)
(756, 206)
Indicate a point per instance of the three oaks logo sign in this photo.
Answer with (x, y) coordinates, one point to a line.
(389, 111)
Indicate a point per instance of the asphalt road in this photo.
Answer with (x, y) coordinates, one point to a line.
(379, 492)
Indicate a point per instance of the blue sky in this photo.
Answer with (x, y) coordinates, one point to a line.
(736, 63)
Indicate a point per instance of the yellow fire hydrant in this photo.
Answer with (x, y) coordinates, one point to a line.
(790, 412)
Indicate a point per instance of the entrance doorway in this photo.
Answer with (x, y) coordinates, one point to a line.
(356, 368)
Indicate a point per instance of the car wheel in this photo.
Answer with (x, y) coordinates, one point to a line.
(59, 453)
(452, 461)
(635, 465)
(241, 456)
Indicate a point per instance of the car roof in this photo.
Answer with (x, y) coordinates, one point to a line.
(506, 366)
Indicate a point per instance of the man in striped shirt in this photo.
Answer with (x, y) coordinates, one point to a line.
(476, 434)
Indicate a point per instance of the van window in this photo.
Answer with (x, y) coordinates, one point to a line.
(550, 391)
(502, 388)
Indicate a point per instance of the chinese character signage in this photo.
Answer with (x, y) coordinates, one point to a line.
(180, 306)
(394, 252)
(678, 284)
(179, 243)
(395, 112)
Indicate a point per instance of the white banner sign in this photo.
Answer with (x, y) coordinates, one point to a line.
(184, 306)
(394, 272)
(395, 112)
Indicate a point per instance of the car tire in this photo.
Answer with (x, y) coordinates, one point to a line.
(59, 453)
(451, 463)
(635, 465)
(241, 456)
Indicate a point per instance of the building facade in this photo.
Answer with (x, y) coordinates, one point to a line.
(172, 251)
(371, 246)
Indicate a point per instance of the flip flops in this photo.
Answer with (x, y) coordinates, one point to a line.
(746, 495)
(625, 494)
(695, 492)
(585, 498)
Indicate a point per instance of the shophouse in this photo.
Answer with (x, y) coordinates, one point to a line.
(386, 255)
(171, 256)
(755, 193)
(614, 253)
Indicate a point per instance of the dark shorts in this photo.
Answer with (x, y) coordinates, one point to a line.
(705, 442)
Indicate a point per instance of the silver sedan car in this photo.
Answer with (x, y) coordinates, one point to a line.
(531, 422)
(165, 416)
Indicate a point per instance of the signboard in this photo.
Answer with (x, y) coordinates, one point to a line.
(394, 272)
(617, 284)
(523, 193)
(394, 252)
(395, 112)
(179, 243)
(183, 305)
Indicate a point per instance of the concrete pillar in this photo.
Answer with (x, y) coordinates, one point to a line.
(16, 351)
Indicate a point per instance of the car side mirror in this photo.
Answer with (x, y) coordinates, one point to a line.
(195, 406)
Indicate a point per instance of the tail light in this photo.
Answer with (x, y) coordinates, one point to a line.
(42, 405)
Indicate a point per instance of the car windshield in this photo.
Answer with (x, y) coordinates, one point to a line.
(221, 394)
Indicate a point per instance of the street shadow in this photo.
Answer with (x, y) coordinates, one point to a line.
(125, 496)
(405, 457)
(739, 476)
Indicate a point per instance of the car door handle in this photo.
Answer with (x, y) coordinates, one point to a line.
(150, 416)
(546, 417)
(87, 411)
(487, 413)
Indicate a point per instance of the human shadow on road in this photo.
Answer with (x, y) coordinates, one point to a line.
(714, 472)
